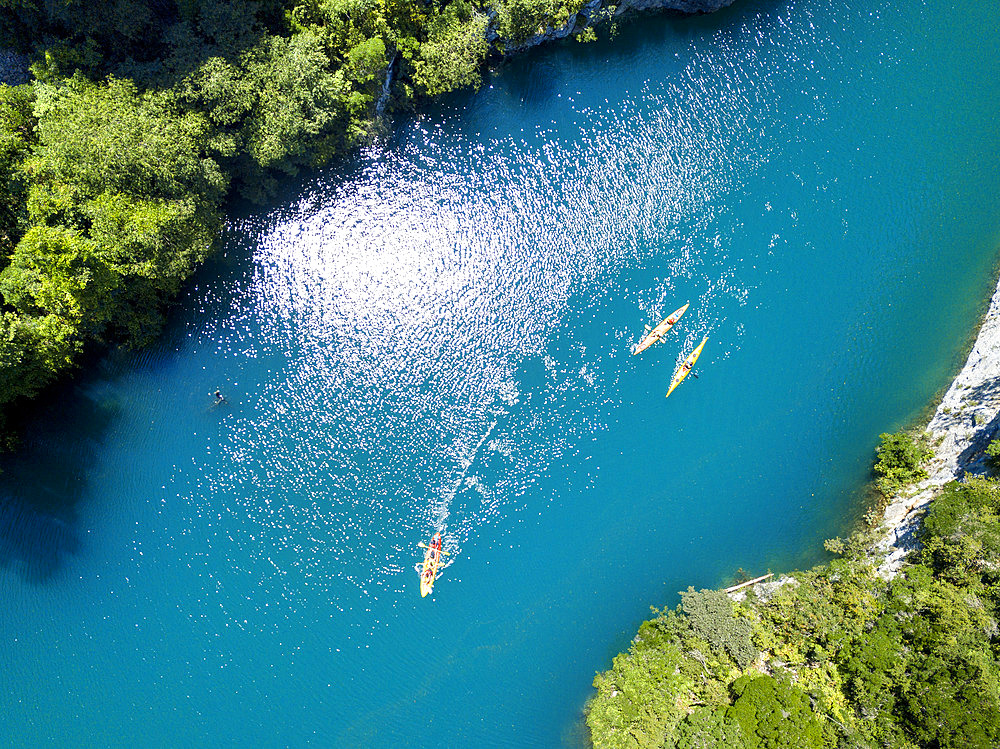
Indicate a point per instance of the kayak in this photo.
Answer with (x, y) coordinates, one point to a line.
(432, 564)
(659, 331)
(686, 367)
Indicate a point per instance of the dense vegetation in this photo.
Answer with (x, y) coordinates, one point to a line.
(900, 459)
(145, 115)
(833, 657)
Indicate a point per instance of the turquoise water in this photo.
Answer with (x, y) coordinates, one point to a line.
(435, 335)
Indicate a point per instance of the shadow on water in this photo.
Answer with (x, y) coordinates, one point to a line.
(43, 481)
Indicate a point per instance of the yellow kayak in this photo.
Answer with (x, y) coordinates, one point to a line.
(432, 563)
(686, 367)
(659, 331)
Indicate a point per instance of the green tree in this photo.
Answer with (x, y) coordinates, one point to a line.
(636, 702)
(454, 51)
(774, 714)
(17, 136)
(56, 271)
(712, 618)
(304, 113)
(900, 462)
(33, 350)
(151, 246)
(709, 728)
(110, 138)
(961, 533)
(519, 19)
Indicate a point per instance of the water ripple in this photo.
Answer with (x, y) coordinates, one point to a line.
(427, 369)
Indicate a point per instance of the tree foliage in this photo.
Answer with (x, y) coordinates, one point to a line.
(120, 203)
(636, 707)
(17, 136)
(519, 19)
(900, 462)
(848, 659)
(773, 714)
(454, 51)
(961, 534)
(145, 114)
(711, 617)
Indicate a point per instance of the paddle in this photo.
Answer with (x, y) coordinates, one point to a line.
(422, 545)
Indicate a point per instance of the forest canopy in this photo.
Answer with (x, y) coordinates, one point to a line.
(145, 116)
(834, 657)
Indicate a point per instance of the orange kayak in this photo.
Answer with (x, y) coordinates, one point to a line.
(432, 564)
(659, 331)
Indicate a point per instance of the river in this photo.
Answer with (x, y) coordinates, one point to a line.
(435, 335)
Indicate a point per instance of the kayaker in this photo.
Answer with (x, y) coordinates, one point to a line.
(219, 398)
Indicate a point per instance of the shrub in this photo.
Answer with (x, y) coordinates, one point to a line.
(900, 462)
(711, 617)
(961, 532)
(709, 728)
(993, 455)
(774, 714)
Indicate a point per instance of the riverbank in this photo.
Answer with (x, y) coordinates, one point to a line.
(963, 424)
(879, 646)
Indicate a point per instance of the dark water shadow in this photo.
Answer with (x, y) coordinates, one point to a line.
(43, 482)
(535, 75)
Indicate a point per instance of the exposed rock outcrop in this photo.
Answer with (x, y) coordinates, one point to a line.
(390, 77)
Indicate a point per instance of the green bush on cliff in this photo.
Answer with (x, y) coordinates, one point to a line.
(961, 534)
(519, 19)
(636, 704)
(708, 728)
(900, 461)
(992, 453)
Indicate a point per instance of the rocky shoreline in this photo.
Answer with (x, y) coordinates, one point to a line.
(965, 422)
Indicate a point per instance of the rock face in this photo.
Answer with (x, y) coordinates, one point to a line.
(596, 11)
(390, 76)
(965, 422)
